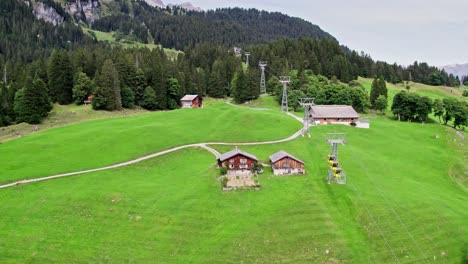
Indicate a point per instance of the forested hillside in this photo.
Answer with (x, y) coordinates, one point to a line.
(176, 28)
(65, 65)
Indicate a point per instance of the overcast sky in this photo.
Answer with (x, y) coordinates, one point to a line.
(402, 31)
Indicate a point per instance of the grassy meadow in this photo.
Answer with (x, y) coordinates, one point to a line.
(104, 142)
(405, 200)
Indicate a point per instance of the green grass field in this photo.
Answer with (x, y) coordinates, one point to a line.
(62, 115)
(405, 201)
(104, 142)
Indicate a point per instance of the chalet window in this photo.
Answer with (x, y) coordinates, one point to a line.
(243, 166)
(243, 161)
(231, 161)
(285, 165)
(231, 166)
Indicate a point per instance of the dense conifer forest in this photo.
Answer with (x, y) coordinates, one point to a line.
(64, 65)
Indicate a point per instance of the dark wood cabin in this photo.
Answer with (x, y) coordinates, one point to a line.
(237, 161)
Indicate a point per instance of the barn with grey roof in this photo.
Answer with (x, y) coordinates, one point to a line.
(283, 163)
(333, 114)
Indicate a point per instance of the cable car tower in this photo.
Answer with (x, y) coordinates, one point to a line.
(335, 173)
(262, 65)
(285, 80)
(307, 104)
(247, 54)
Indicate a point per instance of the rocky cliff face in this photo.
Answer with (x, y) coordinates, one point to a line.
(155, 3)
(84, 10)
(187, 6)
(48, 14)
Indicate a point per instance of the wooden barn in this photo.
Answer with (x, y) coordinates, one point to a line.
(283, 163)
(333, 114)
(191, 101)
(237, 162)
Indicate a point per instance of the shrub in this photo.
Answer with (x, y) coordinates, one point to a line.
(224, 181)
(465, 93)
(353, 124)
(223, 171)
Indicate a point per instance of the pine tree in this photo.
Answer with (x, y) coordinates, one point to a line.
(218, 82)
(55, 75)
(240, 91)
(107, 95)
(83, 88)
(139, 86)
(128, 97)
(253, 86)
(173, 93)
(379, 87)
(32, 103)
(149, 100)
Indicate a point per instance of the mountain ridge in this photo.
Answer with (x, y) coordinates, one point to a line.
(459, 70)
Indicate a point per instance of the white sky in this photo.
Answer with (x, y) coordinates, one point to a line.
(402, 31)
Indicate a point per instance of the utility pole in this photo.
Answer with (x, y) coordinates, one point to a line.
(285, 80)
(335, 173)
(262, 65)
(247, 54)
(307, 104)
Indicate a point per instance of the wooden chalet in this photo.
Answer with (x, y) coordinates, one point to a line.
(283, 163)
(237, 161)
(191, 101)
(333, 114)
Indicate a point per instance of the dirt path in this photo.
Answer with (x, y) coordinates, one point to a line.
(160, 153)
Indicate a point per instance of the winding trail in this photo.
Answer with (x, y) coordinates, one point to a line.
(160, 153)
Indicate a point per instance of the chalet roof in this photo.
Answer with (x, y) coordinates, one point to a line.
(235, 152)
(282, 154)
(189, 97)
(333, 111)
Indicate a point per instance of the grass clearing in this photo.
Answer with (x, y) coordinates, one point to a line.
(171, 209)
(104, 142)
(404, 185)
(129, 44)
(63, 115)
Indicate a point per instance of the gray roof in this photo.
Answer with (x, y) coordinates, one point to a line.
(282, 154)
(189, 97)
(333, 111)
(235, 152)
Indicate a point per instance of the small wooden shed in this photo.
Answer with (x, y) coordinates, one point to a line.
(283, 163)
(191, 101)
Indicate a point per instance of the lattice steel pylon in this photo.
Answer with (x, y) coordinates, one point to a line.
(262, 65)
(285, 80)
(306, 103)
(335, 172)
(247, 54)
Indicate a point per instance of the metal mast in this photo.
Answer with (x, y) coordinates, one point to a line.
(262, 65)
(335, 173)
(285, 80)
(306, 103)
(247, 54)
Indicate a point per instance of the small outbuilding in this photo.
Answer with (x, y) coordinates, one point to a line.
(333, 114)
(237, 162)
(283, 163)
(191, 101)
